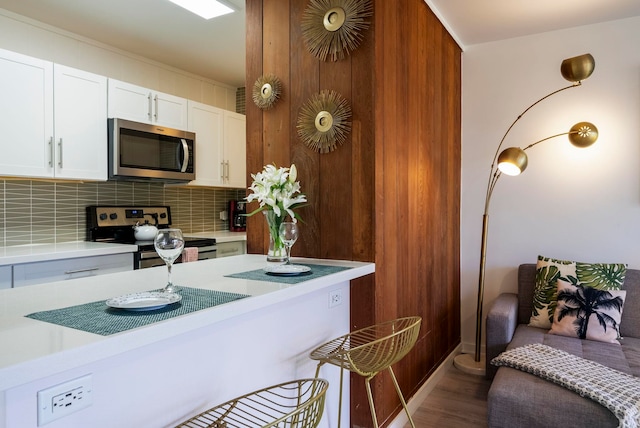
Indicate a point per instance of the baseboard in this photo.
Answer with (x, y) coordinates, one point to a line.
(414, 403)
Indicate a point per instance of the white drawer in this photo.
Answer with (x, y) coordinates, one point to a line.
(234, 248)
(58, 270)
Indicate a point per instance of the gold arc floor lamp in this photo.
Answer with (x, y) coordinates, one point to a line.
(513, 161)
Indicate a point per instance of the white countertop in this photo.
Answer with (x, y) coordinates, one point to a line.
(34, 349)
(67, 250)
(220, 236)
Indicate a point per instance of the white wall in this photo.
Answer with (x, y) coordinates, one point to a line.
(577, 204)
(33, 38)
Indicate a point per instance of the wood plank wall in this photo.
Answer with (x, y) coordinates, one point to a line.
(391, 194)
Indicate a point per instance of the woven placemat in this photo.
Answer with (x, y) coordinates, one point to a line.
(316, 272)
(98, 318)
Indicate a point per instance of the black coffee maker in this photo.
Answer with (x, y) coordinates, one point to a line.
(237, 220)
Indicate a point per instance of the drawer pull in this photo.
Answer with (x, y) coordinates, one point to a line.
(71, 272)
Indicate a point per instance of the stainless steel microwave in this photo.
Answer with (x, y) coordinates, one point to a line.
(139, 151)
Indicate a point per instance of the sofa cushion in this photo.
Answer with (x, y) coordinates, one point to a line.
(588, 313)
(519, 399)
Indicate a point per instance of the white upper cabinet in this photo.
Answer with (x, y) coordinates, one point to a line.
(207, 121)
(131, 102)
(220, 146)
(80, 121)
(26, 116)
(235, 149)
(53, 120)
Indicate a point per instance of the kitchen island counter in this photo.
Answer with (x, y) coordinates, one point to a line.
(214, 353)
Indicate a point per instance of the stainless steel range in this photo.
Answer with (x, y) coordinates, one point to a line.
(109, 223)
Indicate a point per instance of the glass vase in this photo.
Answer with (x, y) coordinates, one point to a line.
(277, 252)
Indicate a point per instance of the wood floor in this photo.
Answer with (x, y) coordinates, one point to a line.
(459, 400)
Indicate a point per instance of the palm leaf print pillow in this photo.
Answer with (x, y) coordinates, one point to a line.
(601, 276)
(545, 291)
(588, 313)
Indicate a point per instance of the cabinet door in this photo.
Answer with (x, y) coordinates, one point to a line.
(131, 102)
(170, 111)
(26, 115)
(80, 105)
(5, 277)
(227, 249)
(206, 121)
(235, 149)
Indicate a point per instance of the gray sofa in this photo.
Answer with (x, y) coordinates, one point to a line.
(519, 399)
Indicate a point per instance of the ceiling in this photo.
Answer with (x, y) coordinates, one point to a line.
(215, 49)
(156, 29)
(475, 21)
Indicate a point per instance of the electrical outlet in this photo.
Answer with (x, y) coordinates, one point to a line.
(335, 298)
(224, 215)
(63, 399)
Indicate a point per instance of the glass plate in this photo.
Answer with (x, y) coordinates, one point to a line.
(286, 270)
(146, 301)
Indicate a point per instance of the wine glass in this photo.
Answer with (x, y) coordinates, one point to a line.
(289, 234)
(169, 243)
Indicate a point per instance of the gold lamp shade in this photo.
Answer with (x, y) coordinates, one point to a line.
(583, 134)
(577, 68)
(513, 161)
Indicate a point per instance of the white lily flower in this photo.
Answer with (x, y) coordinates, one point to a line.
(277, 190)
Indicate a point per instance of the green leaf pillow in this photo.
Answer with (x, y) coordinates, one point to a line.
(601, 276)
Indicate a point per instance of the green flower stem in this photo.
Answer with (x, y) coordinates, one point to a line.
(274, 223)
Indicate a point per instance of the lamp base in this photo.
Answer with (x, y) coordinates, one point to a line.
(467, 363)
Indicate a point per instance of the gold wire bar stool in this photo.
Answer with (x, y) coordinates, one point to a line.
(295, 404)
(369, 351)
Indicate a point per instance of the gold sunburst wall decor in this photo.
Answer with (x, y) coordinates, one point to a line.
(334, 27)
(266, 91)
(324, 121)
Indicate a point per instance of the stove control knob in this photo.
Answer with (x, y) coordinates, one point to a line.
(113, 216)
(103, 216)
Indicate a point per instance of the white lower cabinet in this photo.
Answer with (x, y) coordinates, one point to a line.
(226, 249)
(59, 270)
(5, 277)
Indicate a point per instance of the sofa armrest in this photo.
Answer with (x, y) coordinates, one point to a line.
(502, 320)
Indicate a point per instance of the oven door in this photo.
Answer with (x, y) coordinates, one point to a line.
(146, 259)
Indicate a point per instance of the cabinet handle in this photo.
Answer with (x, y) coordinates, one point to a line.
(222, 170)
(150, 105)
(51, 151)
(71, 272)
(60, 153)
(227, 170)
(155, 114)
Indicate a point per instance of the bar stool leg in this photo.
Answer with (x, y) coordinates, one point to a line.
(371, 406)
(404, 404)
(339, 402)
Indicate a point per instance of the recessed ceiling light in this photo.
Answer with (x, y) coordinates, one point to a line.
(205, 8)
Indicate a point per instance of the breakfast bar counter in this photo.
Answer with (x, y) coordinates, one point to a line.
(157, 374)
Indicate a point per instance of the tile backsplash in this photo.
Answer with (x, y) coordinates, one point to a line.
(37, 212)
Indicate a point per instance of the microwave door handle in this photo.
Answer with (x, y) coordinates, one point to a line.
(185, 155)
